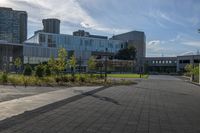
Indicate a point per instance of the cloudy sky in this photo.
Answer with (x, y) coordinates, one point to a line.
(170, 25)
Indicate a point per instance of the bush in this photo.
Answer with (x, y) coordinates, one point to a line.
(65, 79)
(72, 78)
(47, 70)
(39, 71)
(27, 70)
(4, 77)
(82, 79)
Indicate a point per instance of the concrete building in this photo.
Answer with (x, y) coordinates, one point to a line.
(160, 64)
(138, 40)
(182, 61)
(13, 25)
(8, 53)
(51, 25)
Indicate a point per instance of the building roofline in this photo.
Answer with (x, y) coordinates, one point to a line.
(130, 32)
(73, 36)
(7, 43)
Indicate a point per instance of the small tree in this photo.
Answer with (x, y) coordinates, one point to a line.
(72, 63)
(17, 63)
(27, 70)
(62, 62)
(189, 69)
(52, 64)
(39, 70)
(91, 64)
(128, 53)
(47, 70)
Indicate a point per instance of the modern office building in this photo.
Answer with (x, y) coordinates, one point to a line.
(138, 40)
(42, 46)
(8, 53)
(51, 25)
(13, 25)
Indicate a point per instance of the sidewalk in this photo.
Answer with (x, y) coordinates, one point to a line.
(21, 105)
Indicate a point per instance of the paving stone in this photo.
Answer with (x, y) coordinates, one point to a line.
(152, 106)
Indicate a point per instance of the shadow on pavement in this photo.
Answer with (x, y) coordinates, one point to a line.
(8, 123)
(102, 98)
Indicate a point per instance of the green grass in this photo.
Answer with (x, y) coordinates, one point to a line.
(126, 76)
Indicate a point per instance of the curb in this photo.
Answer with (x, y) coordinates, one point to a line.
(9, 122)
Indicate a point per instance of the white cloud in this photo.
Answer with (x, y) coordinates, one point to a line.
(162, 18)
(155, 46)
(192, 43)
(187, 53)
(65, 10)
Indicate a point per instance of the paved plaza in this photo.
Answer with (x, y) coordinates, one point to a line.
(155, 105)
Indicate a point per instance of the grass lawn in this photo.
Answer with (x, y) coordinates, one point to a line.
(126, 76)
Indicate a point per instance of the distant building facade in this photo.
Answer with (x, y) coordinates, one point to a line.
(13, 25)
(182, 61)
(160, 64)
(51, 25)
(8, 53)
(42, 46)
(138, 40)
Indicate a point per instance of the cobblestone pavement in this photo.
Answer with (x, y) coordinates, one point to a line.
(151, 106)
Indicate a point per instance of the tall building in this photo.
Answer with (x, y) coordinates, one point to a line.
(13, 25)
(51, 25)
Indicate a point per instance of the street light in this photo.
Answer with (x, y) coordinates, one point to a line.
(106, 58)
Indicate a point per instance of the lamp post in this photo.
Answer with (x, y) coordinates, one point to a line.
(106, 61)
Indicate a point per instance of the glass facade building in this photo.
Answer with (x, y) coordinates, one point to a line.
(13, 25)
(42, 46)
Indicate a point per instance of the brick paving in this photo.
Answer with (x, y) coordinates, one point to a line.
(151, 106)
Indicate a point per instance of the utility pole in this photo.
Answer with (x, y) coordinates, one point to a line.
(106, 63)
(199, 72)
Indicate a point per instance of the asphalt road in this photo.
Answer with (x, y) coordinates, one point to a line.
(156, 105)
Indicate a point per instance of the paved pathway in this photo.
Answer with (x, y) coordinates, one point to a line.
(152, 106)
(9, 92)
(19, 106)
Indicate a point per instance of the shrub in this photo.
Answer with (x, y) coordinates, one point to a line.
(72, 78)
(47, 70)
(27, 70)
(4, 77)
(39, 71)
(16, 79)
(82, 78)
(65, 79)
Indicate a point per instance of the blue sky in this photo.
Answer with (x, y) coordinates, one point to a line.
(170, 25)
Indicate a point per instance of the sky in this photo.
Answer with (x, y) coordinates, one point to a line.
(171, 26)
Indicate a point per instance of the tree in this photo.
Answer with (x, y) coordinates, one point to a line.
(47, 70)
(27, 70)
(189, 69)
(52, 64)
(72, 63)
(128, 53)
(91, 64)
(39, 70)
(61, 62)
(18, 63)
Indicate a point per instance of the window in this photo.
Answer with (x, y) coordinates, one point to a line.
(41, 38)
